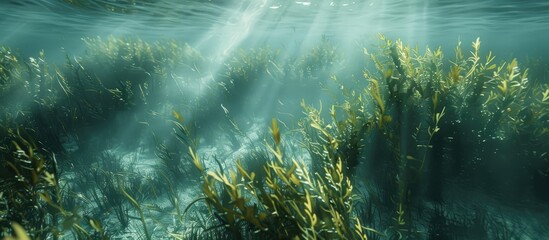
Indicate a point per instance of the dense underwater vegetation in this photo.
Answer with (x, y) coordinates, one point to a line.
(133, 136)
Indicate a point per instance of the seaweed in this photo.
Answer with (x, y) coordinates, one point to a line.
(34, 197)
(387, 152)
(289, 203)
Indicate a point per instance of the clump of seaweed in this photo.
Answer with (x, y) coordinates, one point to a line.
(342, 137)
(247, 71)
(291, 202)
(313, 65)
(34, 197)
(129, 72)
(22, 183)
(421, 118)
(113, 77)
(30, 93)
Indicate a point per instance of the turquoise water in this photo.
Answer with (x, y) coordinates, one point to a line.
(513, 27)
(148, 98)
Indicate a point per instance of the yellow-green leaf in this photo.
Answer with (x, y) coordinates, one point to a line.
(275, 131)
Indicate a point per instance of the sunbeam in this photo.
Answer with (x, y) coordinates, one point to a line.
(274, 119)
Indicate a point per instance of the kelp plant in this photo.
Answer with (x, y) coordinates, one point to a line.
(32, 196)
(421, 121)
(290, 203)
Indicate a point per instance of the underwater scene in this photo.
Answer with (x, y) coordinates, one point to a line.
(274, 119)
